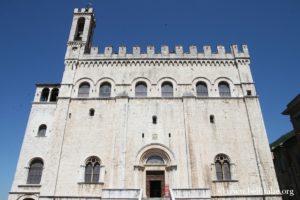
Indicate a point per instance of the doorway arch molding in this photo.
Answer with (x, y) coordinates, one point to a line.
(155, 149)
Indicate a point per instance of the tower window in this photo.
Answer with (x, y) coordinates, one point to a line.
(224, 89)
(143, 135)
(212, 119)
(35, 171)
(80, 28)
(201, 89)
(42, 130)
(92, 170)
(222, 165)
(92, 112)
(249, 93)
(44, 95)
(167, 89)
(105, 89)
(141, 89)
(54, 94)
(154, 119)
(84, 89)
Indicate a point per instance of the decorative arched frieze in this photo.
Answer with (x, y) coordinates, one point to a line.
(160, 62)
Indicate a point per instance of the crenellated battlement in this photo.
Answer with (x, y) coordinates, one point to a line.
(83, 10)
(80, 46)
(177, 53)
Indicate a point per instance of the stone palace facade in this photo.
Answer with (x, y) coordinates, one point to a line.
(167, 124)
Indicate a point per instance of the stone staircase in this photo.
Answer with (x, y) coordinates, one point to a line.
(157, 198)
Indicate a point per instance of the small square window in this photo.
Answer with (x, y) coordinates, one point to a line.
(249, 93)
(92, 112)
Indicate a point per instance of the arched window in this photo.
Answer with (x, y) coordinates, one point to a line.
(224, 89)
(167, 89)
(105, 89)
(80, 28)
(84, 89)
(222, 165)
(141, 89)
(201, 89)
(54, 94)
(35, 171)
(42, 130)
(92, 170)
(44, 95)
(155, 160)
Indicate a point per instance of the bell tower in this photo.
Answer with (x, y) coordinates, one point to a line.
(81, 33)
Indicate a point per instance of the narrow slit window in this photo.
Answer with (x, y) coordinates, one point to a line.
(154, 119)
(212, 119)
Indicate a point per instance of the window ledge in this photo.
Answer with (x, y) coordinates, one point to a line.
(224, 181)
(30, 185)
(85, 183)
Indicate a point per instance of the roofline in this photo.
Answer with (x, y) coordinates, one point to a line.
(291, 104)
(282, 139)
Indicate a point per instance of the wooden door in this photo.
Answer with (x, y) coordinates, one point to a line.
(155, 183)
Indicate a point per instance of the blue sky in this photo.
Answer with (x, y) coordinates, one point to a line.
(34, 34)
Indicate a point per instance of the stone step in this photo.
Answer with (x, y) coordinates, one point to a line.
(157, 198)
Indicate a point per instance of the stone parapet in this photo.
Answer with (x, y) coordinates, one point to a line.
(164, 53)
